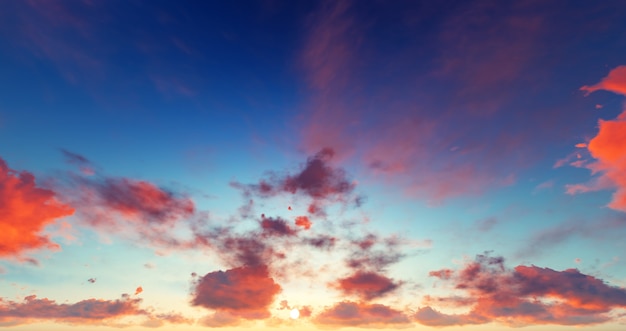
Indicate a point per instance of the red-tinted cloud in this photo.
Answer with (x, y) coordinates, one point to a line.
(138, 290)
(525, 295)
(276, 227)
(245, 292)
(141, 200)
(614, 82)
(355, 314)
(135, 209)
(607, 147)
(303, 221)
(367, 285)
(26, 210)
(91, 311)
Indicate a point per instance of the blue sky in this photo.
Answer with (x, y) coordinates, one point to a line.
(369, 164)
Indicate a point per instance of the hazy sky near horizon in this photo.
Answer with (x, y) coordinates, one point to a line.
(371, 164)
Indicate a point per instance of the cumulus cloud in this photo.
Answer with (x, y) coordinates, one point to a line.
(347, 313)
(607, 147)
(26, 210)
(244, 292)
(525, 295)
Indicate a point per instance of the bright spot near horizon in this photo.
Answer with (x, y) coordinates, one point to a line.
(294, 313)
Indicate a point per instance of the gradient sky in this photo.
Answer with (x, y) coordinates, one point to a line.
(188, 165)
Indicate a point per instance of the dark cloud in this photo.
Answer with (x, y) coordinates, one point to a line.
(367, 285)
(324, 242)
(276, 227)
(245, 292)
(316, 179)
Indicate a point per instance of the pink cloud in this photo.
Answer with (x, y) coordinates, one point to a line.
(244, 292)
(367, 285)
(354, 314)
(26, 210)
(91, 311)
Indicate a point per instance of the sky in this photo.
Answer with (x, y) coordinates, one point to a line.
(312, 165)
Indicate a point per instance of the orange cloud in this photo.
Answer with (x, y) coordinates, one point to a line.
(138, 290)
(244, 292)
(608, 147)
(304, 222)
(614, 82)
(26, 209)
(354, 314)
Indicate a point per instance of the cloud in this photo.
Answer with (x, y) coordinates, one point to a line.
(367, 285)
(366, 253)
(317, 180)
(431, 317)
(276, 227)
(26, 210)
(614, 82)
(526, 295)
(138, 290)
(91, 311)
(91, 280)
(137, 210)
(244, 292)
(607, 147)
(347, 313)
(420, 125)
(139, 200)
(325, 242)
(304, 222)
(85, 166)
(600, 229)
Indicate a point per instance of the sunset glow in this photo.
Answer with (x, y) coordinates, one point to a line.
(312, 165)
